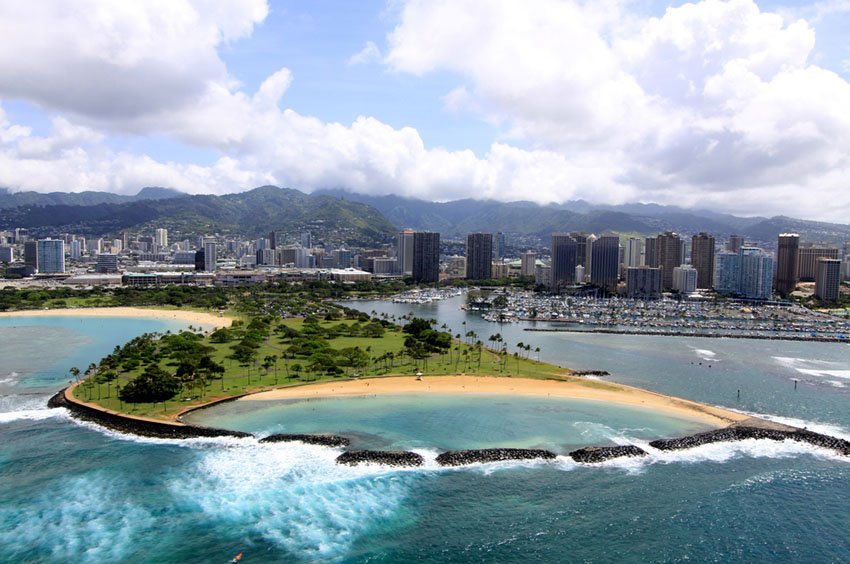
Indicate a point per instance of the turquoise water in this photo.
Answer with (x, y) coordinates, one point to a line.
(447, 422)
(71, 492)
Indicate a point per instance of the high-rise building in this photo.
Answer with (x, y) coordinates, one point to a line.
(499, 246)
(650, 251)
(404, 251)
(7, 254)
(669, 256)
(685, 279)
(51, 256)
(809, 255)
(479, 256)
(734, 244)
(643, 282)
(160, 238)
(583, 242)
(95, 246)
(528, 260)
(426, 257)
(31, 255)
(307, 240)
(605, 262)
(746, 274)
(273, 239)
(210, 256)
(107, 263)
(787, 263)
(342, 258)
(702, 259)
(564, 261)
(200, 260)
(633, 255)
(828, 279)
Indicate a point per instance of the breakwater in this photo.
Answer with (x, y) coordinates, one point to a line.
(136, 426)
(386, 457)
(321, 440)
(684, 333)
(595, 455)
(463, 457)
(743, 432)
(750, 429)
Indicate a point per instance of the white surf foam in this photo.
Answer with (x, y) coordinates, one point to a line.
(705, 354)
(32, 414)
(824, 373)
(295, 495)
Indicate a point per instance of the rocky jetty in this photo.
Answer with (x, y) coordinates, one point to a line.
(135, 426)
(589, 373)
(740, 433)
(387, 457)
(593, 455)
(462, 457)
(321, 440)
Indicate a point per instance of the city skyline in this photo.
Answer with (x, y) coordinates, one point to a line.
(733, 106)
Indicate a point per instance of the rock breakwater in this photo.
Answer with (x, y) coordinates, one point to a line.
(463, 457)
(740, 433)
(595, 455)
(386, 457)
(322, 440)
(135, 426)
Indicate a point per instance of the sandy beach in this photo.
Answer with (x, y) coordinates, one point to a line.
(576, 388)
(193, 317)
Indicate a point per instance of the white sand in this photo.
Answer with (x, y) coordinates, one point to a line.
(193, 317)
(577, 388)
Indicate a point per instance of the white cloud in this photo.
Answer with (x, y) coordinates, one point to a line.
(712, 104)
(369, 54)
(107, 61)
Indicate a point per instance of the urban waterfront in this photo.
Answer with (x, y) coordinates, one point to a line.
(72, 491)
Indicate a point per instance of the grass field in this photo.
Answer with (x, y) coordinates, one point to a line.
(240, 378)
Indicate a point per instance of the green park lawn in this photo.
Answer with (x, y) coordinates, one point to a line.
(271, 366)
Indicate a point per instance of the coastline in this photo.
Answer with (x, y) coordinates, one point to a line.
(194, 317)
(573, 388)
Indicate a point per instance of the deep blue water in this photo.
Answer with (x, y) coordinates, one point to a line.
(74, 493)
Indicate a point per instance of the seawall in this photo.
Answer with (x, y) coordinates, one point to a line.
(135, 425)
(752, 428)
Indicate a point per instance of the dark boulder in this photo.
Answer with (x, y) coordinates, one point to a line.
(462, 457)
(322, 440)
(386, 457)
(593, 455)
(741, 433)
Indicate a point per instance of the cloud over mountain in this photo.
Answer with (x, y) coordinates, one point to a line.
(714, 103)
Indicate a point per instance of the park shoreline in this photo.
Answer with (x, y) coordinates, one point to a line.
(580, 388)
(194, 317)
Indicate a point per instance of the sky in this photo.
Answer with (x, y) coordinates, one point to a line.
(736, 106)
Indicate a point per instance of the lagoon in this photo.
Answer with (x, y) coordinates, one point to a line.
(74, 492)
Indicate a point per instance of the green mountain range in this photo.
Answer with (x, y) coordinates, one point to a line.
(339, 216)
(252, 213)
(459, 217)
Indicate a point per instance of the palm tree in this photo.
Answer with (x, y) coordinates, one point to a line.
(537, 350)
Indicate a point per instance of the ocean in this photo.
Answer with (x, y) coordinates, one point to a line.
(71, 491)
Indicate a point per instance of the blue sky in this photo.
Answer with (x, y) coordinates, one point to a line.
(738, 106)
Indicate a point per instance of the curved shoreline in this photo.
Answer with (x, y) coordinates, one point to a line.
(194, 317)
(567, 388)
(743, 429)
